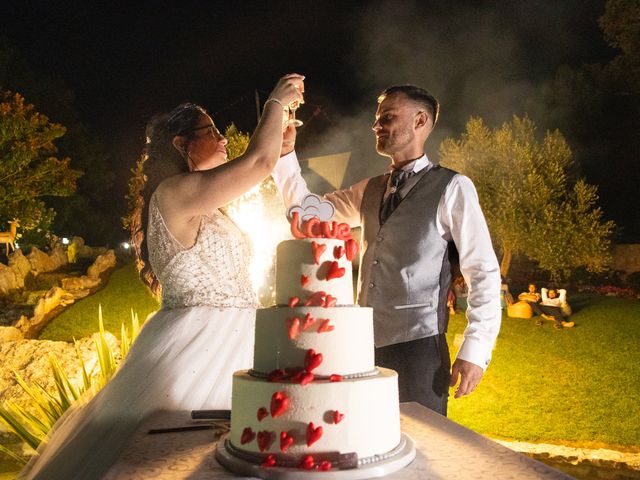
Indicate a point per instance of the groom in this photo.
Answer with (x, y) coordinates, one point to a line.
(412, 217)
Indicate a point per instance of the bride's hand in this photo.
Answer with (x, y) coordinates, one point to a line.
(289, 89)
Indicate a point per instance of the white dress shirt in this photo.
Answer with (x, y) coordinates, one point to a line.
(460, 220)
(559, 301)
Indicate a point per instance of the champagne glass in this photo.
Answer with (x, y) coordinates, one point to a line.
(293, 106)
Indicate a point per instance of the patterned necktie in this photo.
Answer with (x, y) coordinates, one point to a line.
(398, 177)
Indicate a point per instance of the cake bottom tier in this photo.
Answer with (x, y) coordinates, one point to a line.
(356, 418)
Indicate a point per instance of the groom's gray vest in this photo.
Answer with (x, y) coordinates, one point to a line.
(404, 269)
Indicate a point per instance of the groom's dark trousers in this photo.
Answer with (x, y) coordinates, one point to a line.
(418, 360)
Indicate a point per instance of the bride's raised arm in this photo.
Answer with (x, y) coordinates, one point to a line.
(213, 182)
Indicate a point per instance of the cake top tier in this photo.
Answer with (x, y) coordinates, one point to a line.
(315, 268)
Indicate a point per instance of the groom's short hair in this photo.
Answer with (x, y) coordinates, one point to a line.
(417, 94)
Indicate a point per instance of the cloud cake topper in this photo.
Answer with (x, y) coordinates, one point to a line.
(313, 206)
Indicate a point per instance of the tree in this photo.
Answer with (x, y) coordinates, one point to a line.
(621, 27)
(90, 212)
(29, 171)
(597, 108)
(530, 204)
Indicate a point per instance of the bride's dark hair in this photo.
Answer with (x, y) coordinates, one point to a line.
(159, 160)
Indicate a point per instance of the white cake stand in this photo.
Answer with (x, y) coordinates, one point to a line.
(401, 459)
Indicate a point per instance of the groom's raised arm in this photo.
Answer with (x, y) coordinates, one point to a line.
(293, 188)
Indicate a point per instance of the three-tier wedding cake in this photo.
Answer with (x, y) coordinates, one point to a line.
(314, 400)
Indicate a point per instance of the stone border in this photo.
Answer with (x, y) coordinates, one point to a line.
(585, 462)
(57, 298)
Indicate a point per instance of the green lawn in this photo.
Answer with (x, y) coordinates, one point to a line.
(576, 386)
(124, 292)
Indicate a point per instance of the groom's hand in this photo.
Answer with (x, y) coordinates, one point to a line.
(470, 376)
(288, 140)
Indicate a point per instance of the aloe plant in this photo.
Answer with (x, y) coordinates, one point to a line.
(32, 428)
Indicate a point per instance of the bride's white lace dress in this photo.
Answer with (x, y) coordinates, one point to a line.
(184, 357)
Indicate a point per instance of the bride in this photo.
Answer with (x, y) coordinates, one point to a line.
(187, 248)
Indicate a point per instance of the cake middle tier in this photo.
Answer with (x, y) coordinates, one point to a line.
(311, 265)
(342, 335)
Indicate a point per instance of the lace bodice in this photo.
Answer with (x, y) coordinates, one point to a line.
(213, 272)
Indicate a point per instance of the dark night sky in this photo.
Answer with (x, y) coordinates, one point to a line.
(128, 60)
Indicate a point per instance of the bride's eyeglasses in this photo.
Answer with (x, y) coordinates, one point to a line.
(211, 129)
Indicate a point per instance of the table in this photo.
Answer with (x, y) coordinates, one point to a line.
(445, 450)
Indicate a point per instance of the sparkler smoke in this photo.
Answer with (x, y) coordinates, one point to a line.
(476, 60)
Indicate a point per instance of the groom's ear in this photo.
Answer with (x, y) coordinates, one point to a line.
(422, 120)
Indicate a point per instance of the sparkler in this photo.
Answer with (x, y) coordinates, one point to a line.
(260, 214)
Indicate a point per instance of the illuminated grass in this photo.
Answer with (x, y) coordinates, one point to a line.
(574, 386)
(124, 292)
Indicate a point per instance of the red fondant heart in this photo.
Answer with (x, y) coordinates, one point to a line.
(335, 271)
(338, 252)
(293, 301)
(286, 441)
(293, 327)
(308, 321)
(308, 463)
(313, 434)
(279, 404)
(337, 416)
(277, 375)
(262, 412)
(270, 461)
(304, 280)
(325, 326)
(316, 299)
(330, 301)
(247, 436)
(306, 378)
(351, 248)
(265, 439)
(312, 360)
(325, 466)
(335, 377)
(318, 250)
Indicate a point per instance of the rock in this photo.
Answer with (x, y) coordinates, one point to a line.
(103, 263)
(582, 462)
(34, 296)
(44, 266)
(74, 284)
(30, 359)
(10, 334)
(80, 250)
(8, 280)
(41, 262)
(46, 308)
(20, 265)
(78, 242)
(58, 257)
(52, 299)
